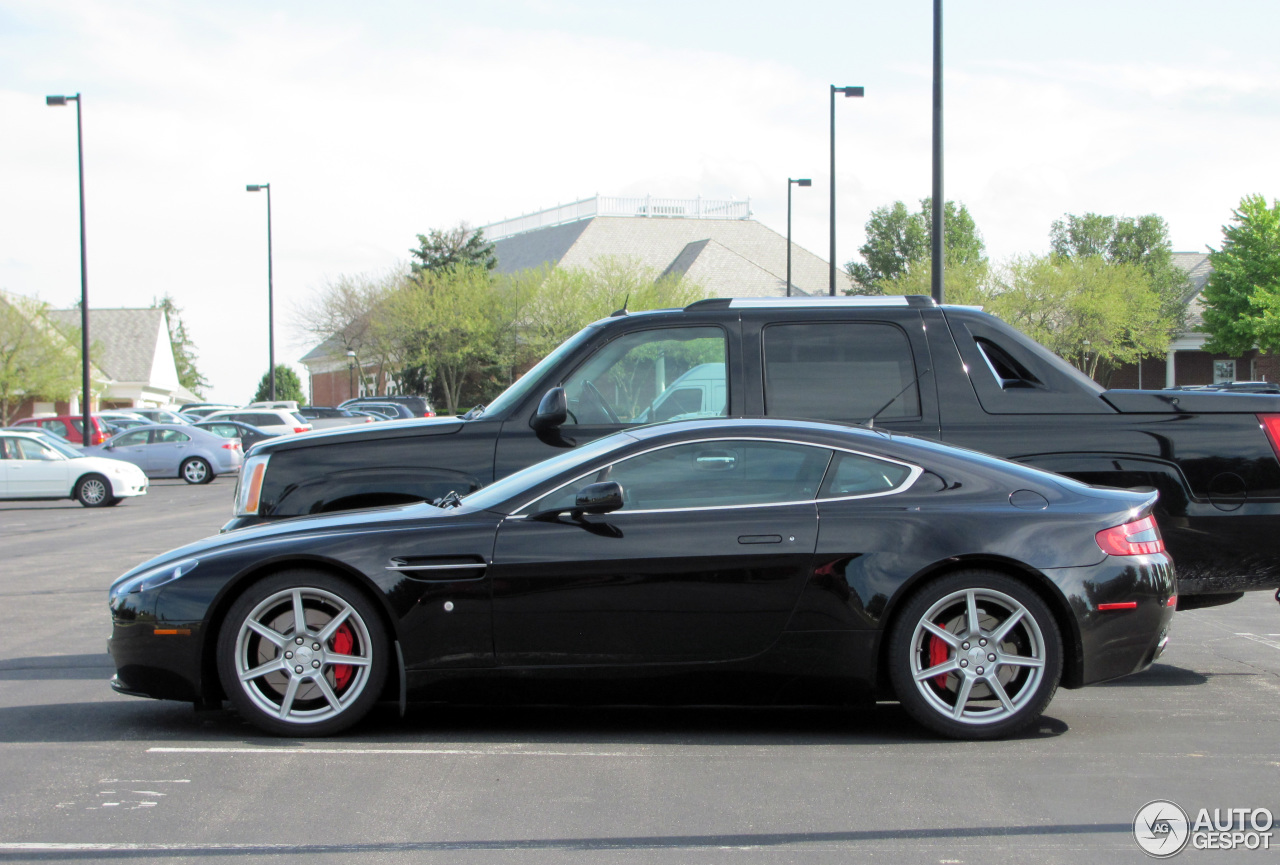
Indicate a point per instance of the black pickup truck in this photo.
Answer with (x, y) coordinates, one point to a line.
(903, 364)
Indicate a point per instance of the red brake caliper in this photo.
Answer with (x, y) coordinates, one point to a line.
(938, 654)
(343, 641)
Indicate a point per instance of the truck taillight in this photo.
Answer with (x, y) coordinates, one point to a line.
(1271, 426)
(1138, 538)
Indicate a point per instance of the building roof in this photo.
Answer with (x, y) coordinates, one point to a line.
(1197, 266)
(728, 257)
(126, 341)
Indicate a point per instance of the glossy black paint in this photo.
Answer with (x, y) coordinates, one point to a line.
(1206, 453)
(758, 603)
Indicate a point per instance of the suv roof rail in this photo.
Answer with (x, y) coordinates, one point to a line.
(912, 300)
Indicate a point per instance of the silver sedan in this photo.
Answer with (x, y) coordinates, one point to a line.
(174, 450)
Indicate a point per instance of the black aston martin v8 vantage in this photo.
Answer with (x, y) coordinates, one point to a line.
(752, 561)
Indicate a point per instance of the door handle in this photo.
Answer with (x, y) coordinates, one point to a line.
(759, 539)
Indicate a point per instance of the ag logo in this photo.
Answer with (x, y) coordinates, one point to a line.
(1161, 829)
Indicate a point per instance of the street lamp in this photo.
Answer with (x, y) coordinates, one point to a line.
(805, 182)
(351, 373)
(271, 326)
(847, 91)
(86, 435)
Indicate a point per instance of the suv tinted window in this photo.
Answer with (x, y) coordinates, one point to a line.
(845, 371)
(626, 380)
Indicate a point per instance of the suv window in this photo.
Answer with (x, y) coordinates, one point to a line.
(708, 474)
(57, 426)
(846, 371)
(628, 379)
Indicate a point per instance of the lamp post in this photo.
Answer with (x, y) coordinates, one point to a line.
(936, 250)
(847, 91)
(351, 373)
(271, 325)
(86, 435)
(804, 182)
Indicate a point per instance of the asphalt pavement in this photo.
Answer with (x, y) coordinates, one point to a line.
(90, 775)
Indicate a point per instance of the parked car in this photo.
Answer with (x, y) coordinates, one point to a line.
(322, 417)
(903, 364)
(120, 424)
(175, 451)
(695, 560)
(234, 429)
(278, 421)
(44, 434)
(386, 410)
(33, 467)
(194, 410)
(282, 404)
(162, 415)
(70, 427)
(417, 405)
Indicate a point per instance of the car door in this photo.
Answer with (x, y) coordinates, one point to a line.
(704, 562)
(37, 471)
(132, 447)
(167, 450)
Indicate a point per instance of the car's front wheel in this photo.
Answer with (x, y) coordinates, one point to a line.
(196, 471)
(302, 653)
(94, 491)
(975, 655)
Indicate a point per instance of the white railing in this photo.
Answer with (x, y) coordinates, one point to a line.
(612, 205)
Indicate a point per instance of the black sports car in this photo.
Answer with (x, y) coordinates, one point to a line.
(748, 561)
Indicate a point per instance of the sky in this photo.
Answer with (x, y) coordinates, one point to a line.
(376, 122)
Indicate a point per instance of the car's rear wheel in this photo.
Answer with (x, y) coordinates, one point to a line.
(94, 491)
(975, 655)
(196, 471)
(302, 653)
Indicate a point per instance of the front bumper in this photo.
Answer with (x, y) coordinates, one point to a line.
(126, 486)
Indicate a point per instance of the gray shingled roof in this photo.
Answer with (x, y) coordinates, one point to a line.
(1197, 266)
(125, 339)
(728, 257)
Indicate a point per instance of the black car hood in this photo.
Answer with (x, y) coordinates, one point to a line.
(406, 428)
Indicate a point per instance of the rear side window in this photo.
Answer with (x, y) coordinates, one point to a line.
(57, 426)
(846, 371)
(859, 475)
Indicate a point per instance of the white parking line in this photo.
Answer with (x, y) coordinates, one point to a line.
(1263, 640)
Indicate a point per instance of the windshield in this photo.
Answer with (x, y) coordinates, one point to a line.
(513, 485)
(515, 394)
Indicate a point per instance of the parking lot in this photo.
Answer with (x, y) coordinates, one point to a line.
(92, 775)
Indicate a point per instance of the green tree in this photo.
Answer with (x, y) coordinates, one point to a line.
(1242, 297)
(184, 354)
(898, 244)
(1139, 240)
(1094, 313)
(288, 385)
(446, 249)
(37, 360)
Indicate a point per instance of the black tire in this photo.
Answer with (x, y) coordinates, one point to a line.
(306, 693)
(94, 491)
(1006, 676)
(195, 470)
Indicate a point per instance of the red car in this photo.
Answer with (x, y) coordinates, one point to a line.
(69, 427)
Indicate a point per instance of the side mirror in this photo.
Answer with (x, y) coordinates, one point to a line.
(552, 412)
(600, 498)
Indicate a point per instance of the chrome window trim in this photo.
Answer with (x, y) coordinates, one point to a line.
(915, 472)
(469, 567)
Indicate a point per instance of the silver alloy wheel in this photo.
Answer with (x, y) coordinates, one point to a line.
(307, 674)
(93, 491)
(195, 471)
(977, 656)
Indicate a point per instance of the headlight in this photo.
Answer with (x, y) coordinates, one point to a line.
(249, 485)
(155, 577)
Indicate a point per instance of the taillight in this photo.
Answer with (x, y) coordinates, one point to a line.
(428, 413)
(1138, 538)
(1271, 426)
(231, 446)
(300, 429)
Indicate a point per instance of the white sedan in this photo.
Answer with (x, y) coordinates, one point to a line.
(34, 468)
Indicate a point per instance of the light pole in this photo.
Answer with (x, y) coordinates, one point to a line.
(351, 373)
(936, 250)
(804, 182)
(271, 323)
(847, 91)
(86, 435)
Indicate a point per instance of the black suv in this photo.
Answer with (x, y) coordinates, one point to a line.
(902, 364)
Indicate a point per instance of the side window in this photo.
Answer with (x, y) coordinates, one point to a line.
(133, 439)
(708, 475)
(8, 449)
(56, 426)
(632, 378)
(169, 436)
(31, 450)
(844, 371)
(859, 475)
